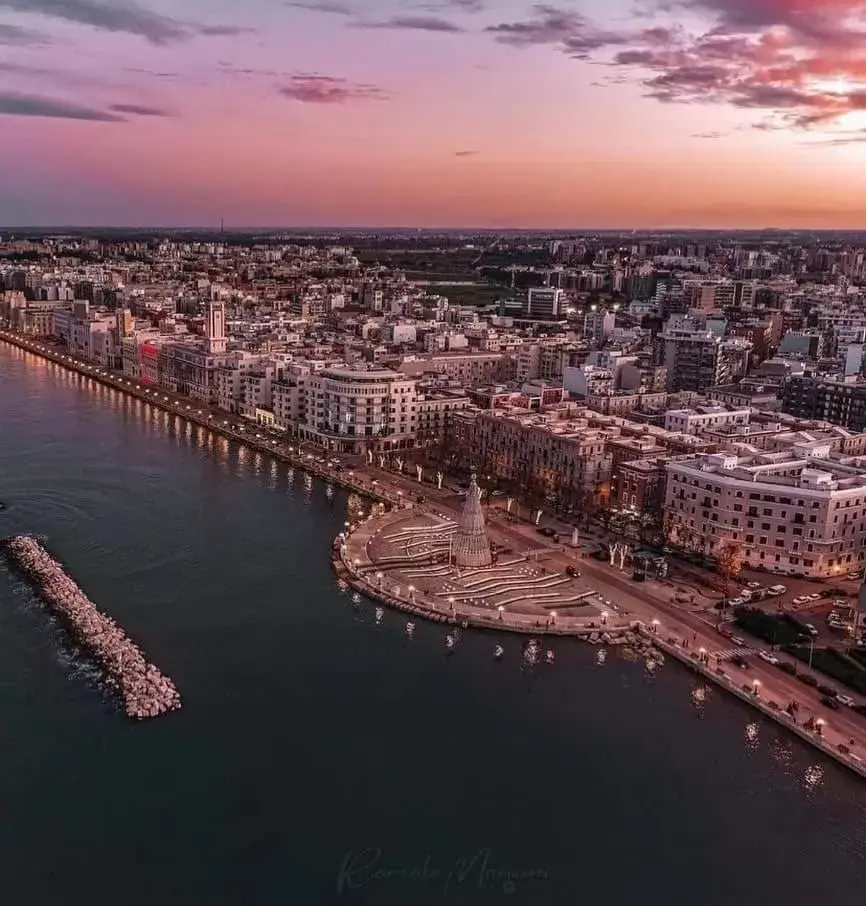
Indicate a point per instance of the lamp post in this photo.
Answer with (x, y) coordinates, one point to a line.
(655, 625)
(379, 578)
(411, 591)
(451, 603)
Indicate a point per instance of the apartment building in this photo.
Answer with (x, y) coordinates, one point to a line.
(799, 512)
(841, 401)
(704, 419)
(640, 485)
(549, 456)
(470, 369)
(351, 411)
(698, 359)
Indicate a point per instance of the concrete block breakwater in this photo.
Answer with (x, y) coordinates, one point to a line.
(144, 691)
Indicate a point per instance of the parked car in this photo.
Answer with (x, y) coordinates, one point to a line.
(736, 602)
(738, 641)
(745, 594)
(776, 590)
(753, 584)
(830, 703)
(846, 700)
(788, 668)
(854, 574)
(801, 599)
(769, 658)
(814, 597)
(810, 629)
(827, 690)
(807, 679)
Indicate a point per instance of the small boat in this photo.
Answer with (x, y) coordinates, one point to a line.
(380, 612)
(356, 598)
(498, 651)
(450, 641)
(410, 628)
(600, 657)
(549, 656)
(530, 652)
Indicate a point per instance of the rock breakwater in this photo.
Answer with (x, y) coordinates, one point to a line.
(143, 690)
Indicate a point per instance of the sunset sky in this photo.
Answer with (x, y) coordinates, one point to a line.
(488, 113)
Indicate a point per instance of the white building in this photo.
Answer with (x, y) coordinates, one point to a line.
(702, 419)
(798, 512)
(351, 411)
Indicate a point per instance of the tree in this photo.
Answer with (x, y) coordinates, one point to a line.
(729, 557)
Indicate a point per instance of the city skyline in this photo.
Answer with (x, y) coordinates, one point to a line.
(435, 113)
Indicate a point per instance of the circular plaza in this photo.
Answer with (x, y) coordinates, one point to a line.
(427, 562)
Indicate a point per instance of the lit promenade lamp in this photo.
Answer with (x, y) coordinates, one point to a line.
(411, 591)
(501, 609)
(655, 625)
(379, 578)
(756, 687)
(552, 617)
(604, 616)
(451, 602)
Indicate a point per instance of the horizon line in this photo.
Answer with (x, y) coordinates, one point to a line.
(332, 228)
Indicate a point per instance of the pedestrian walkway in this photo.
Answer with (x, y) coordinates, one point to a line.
(724, 653)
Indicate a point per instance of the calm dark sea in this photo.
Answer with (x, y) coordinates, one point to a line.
(311, 738)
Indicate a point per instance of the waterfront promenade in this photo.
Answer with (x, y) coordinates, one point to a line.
(215, 420)
(679, 632)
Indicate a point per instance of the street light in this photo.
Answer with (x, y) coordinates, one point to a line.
(604, 616)
(655, 625)
(756, 685)
(451, 602)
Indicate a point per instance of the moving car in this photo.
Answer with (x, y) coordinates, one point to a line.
(810, 629)
(753, 584)
(769, 658)
(776, 590)
(738, 641)
(846, 700)
(736, 602)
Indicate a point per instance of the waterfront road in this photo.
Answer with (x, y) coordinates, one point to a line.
(631, 599)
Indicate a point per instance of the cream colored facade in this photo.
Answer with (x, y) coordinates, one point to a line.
(350, 411)
(801, 512)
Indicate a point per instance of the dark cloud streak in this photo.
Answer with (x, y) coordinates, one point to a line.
(13, 104)
(15, 36)
(124, 18)
(414, 23)
(139, 110)
(320, 89)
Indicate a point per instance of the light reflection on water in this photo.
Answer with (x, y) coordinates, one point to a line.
(288, 679)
